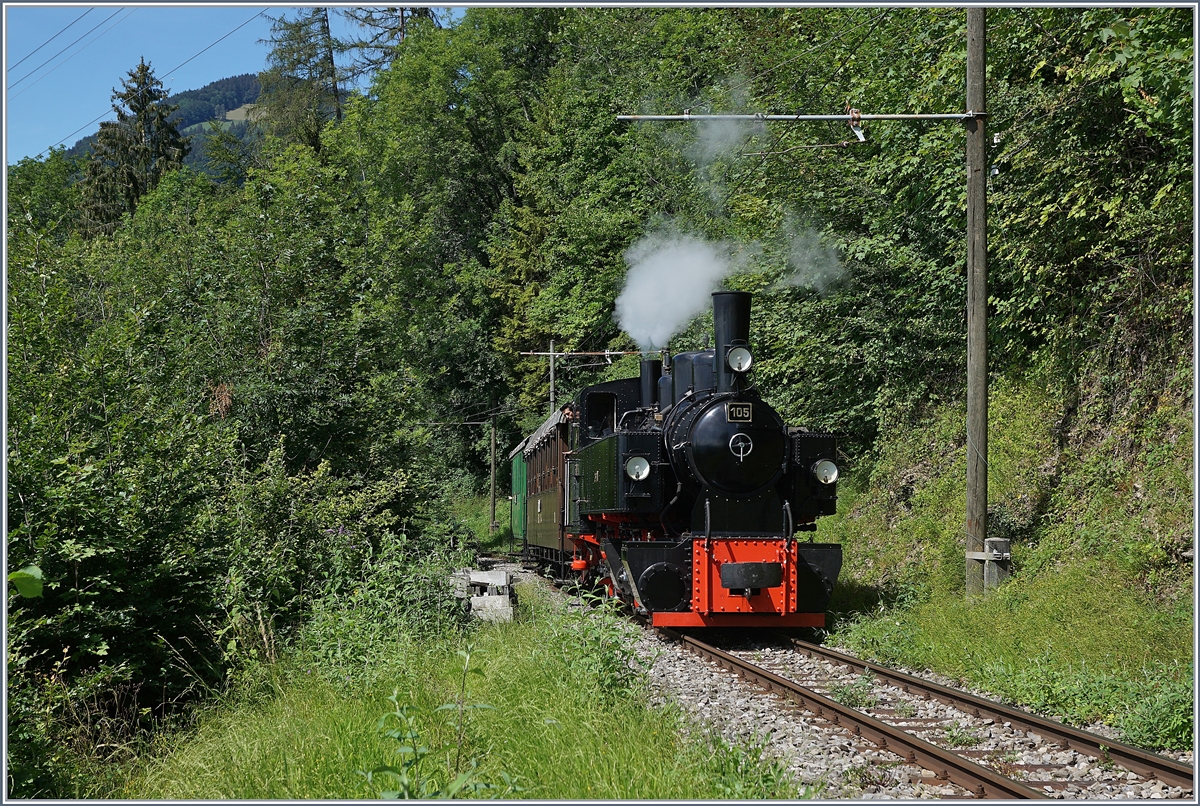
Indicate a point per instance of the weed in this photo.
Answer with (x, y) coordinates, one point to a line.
(870, 775)
(599, 645)
(1164, 720)
(410, 777)
(904, 709)
(958, 736)
(743, 771)
(411, 753)
(1004, 762)
(858, 694)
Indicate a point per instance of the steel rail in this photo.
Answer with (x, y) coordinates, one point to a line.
(1143, 762)
(947, 765)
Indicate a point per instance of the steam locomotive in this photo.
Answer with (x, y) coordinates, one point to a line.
(682, 492)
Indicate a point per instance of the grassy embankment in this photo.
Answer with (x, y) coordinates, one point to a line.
(1096, 622)
(567, 719)
(472, 513)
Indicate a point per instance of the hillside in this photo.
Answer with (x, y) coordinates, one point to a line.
(197, 107)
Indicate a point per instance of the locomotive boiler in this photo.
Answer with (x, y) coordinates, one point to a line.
(683, 493)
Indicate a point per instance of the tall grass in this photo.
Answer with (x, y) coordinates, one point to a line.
(1074, 643)
(568, 719)
(472, 514)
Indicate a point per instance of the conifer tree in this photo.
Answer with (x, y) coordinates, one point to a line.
(131, 154)
(383, 30)
(300, 88)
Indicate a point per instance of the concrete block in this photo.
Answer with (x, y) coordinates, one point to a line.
(492, 608)
(490, 578)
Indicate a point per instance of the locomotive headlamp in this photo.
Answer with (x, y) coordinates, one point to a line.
(739, 359)
(637, 468)
(825, 471)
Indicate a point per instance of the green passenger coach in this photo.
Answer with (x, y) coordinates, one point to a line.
(518, 493)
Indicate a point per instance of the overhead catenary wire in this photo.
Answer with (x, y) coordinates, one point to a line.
(79, 50)
(51, 39)
(85, 46)
(214, 44)
(105, 113)
(64, 50)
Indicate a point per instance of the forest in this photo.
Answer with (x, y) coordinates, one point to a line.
(233, 392)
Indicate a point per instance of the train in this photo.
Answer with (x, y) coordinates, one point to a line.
(682, 492)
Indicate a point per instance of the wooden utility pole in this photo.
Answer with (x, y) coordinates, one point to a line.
(551, 376)
(493, 524)
(977, 371)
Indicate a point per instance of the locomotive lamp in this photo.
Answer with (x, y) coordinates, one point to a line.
(825, 471)
(739, 359)
(637, 468)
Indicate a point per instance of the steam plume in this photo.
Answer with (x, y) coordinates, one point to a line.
(811, 263)
(670, 281)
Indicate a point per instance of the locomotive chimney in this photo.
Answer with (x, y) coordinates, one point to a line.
(731, 327)
(651, 372)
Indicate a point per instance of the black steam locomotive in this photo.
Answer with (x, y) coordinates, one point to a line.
(682, 491)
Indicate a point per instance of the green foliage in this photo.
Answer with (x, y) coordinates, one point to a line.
(131, 154)
(743, 771)
(300, 87)
(214, 99)
(1166, 719)
(411, 777)
(901, 526)
(409, 774)
(956, 736)
(28, 581)
(599, 645)
(42, 202)
(341, 636)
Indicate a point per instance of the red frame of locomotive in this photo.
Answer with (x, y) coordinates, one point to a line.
(711, 604)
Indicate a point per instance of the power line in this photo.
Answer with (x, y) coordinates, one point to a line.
(106, 112)
(51, 39)
(231, 33)
(73, 55)
(64, 50)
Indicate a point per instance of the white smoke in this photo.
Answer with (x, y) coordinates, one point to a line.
(811, 262)
(672, 275)
(670, 282)
(717, 144)
(719, 138)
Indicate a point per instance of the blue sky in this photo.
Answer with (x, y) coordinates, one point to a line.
(51, 99)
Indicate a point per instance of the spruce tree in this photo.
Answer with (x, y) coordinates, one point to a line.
(131, 154)
(300, 88)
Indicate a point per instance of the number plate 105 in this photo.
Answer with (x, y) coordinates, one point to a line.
(739, 412)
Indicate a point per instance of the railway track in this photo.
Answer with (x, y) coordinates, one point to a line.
(894, 715)
(937, 728)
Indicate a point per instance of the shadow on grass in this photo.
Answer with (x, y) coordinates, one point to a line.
(852, 600)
